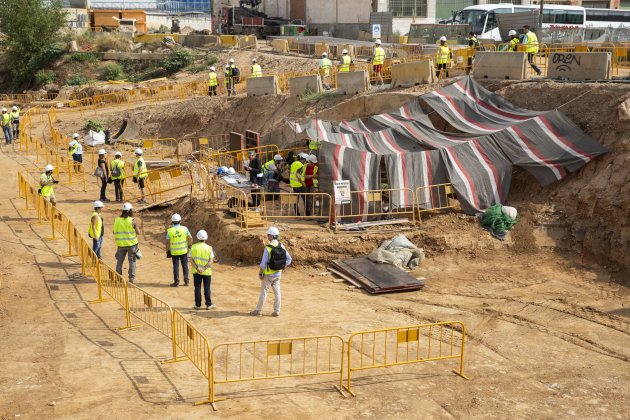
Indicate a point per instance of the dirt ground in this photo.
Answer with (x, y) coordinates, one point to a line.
(549, 328)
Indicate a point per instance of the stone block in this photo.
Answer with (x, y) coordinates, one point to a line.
(579, 65)
(500, 65)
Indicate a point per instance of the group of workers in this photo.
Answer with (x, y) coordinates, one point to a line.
(231, 77)
(11, 124)
(444, 55)
(345, 61)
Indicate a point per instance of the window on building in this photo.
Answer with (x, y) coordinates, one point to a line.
(595, 4)
(504, 1)
(625, 4)
(408, 8)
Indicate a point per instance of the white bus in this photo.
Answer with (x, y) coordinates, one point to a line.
(483, 18)
(607, 18)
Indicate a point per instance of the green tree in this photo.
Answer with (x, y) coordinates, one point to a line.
(31, 31)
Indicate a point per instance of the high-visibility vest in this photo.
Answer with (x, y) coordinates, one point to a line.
(265, 166)
(256, 70)
(345, 63)
(117, 163)
(201, 253)
(443, 54)
(227, 74)
(295, 168)
(15, 115)
(143, 172)
(47, 190)
(99, 226)
(314, 145)
(532, 43)
(379, 56)
(513, 42)
(6, 119)
(326, 65)
(73, 148)
(472, 48)
(124, 233)
(178, 235)
(268, 270)
(212, 80)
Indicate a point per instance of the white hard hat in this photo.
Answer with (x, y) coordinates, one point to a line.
(49, 168)
(442, 39)
(117, 154)
(75, 136)
(227, 66)
(231, 171)
(14, 108)
(231, 61)
(512, 32)
(378, 41)
(139, 152)
(212, 68)
(4, 110)
(272, 167)
(277, 157)
(273, 231)
(102, 152)
(509, 212)
(127, 207)
(253, 60)
(98, 204)
(176, 218)
(303, 155)
(324, 54)
(312, 158)
(344, 51)
(202, 235)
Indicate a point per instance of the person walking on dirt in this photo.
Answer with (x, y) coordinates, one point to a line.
(325, 65)
(531, 46)
(104, 173)
(96, 228)
(275, 258)
(201, 256)
(7, 128)
(178, 240)
(15, 118)
(377, 62)
(444, 57)
(75, 149)
(140, 172)
(117, 175)
(344, 62)
(212, 82)
(256, 69)
(46, 182)
(126, 237)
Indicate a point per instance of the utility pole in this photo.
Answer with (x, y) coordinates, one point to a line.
(540, 16)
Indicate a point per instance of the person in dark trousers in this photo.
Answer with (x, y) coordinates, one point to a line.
(473, 45)
(117, 175)
(200, 257)
(531, 46)
(96, 229)
(444, 57)
(102, 164)
(254, 167)
(178, 240)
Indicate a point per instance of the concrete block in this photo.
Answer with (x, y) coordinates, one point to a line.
(579, 65)
(300, 85)
(194, 40)
(229, 40)
(320, 48)
(280, 46)
(353, 82)
(500, 65)
(413, 73)
(247, 41)
(261, 86)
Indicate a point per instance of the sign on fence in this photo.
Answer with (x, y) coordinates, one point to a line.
(376, 30)
(342, 192)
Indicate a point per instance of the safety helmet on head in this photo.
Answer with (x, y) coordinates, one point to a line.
(127, 207)
(98, 204)
(49, 168)
(253, 60)
(272, 167)
(302, 155)
(15, 108)
(4, 110)
(212, 68)
(102, 152)
(231, 171)
(118, 154)
(176, 218)
(324, 54)
(442, 39)
(75, 136)
(139, 152)
(273, 231)
(231, 61)
(344, 51)
(512, 32)
(227, 66)
(202, 235)
(312, 158)
(277, 157)
(378, 42)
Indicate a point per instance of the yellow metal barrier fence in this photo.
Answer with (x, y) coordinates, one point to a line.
(375, 204)
(435, 197)
(404, 345)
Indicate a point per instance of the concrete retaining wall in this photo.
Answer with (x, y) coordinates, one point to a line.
(414, 73)
(261, 86)
(500, 65)
(353, 82)
(579, 66)
(300, 85)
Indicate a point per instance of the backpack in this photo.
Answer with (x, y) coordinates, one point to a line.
(277, 257)
(116, 171)
(236, 73)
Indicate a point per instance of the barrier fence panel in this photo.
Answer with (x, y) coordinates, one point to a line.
(278, 206)
(164, 183)
(405, 345)
(376, 205)
(273, 359)
(236, 158)
(116, 286)
(435, 197)
(152, 310)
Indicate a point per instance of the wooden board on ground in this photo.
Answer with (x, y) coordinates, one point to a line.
(374, 277)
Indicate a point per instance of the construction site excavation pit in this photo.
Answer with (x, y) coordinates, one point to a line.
(546, 310)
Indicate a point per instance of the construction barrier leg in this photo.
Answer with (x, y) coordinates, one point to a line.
(99, 285)
(128, 325)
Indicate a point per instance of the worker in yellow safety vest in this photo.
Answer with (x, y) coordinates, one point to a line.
(443, 58)
(95, 230)
(178, 240)
(344, 63)
(531, 46)
(7, 128)
(126, 237)
(325, 65)
(140, 172)
(15, 118)
(473, 44)
(46, 182)
(75, 149)
(377, 62)
(212, 82)
(311, 182)
(256, 69)
(313, 145)
(200, 257)
(296, 181)
(117, 175)
(277, 161)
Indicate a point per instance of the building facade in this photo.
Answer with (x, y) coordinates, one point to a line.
(168, 6)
